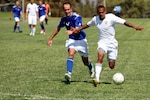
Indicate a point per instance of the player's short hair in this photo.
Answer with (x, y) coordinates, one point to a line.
(100, 6)
(68, 4)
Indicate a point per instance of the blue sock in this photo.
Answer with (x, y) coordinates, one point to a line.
(69, 64)
(42, 26)
(18, 28)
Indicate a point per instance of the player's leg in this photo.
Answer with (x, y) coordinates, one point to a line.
(42, 18)
(34, 22)
(112, 56)
(30, 24)
(15, 26)
(112, 63)
(89, 64)
(98, 66)
(18, 24)
(69, 64)
(46, 19)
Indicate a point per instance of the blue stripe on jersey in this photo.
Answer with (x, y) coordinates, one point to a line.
(42, 10)
(74, 21)
(16, 10)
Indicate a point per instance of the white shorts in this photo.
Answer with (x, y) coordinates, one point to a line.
(80, 46)
(32, 20)
(110, 48)
(17, 19)
(42, 18)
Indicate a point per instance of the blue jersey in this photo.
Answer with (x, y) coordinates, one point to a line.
(42, 10)
(16, 10)
(74, 21)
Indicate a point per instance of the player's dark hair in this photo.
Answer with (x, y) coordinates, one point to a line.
(68, 4)
(100, 6)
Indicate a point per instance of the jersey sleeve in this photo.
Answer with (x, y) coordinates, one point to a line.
(27, 9)
(78, 22)
(92, 21)
(61, 23)
(118, 20)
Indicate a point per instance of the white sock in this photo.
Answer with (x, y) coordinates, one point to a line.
(33, 31)
(98, 69)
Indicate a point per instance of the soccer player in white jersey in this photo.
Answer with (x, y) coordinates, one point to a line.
(75, 43)
(107, 43)
(32, 16)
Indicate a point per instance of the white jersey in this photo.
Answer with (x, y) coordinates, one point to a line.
(32, 9)
(106, 27)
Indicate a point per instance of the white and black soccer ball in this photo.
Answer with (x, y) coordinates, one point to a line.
(118, 78)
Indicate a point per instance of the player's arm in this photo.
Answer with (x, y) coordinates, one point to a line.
(133, 26)
(55, 32)
(11, 13)
(27, 15)
(21, 14)
(77, 30)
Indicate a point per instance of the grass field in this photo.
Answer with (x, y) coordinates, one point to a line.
(30, 70)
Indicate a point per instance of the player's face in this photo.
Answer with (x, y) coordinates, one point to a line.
(67, 10)
(17, 3)
(32, 1)
(40, 3)
(101, 12)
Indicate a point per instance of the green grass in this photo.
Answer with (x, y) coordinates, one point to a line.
(29, 69)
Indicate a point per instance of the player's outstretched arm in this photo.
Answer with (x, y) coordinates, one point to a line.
(49, 43)
(133, 26)
(10, 17)
(76, 30)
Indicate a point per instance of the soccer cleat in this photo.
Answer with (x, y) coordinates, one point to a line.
(44, 33)
(92, 71)
(41, 32)
(30, 33)
(68, 78)
(20, 31)
(95, 82)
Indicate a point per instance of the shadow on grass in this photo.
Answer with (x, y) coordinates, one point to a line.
(66, 82)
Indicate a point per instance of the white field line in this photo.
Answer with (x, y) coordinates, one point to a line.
(27, 96)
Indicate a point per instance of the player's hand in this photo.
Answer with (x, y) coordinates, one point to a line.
(49, 43)
(69, 32)
(139, 28)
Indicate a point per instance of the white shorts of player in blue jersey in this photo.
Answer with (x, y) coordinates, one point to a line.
(17, 19)
(42, 18)
(80, 46)
(110, 47)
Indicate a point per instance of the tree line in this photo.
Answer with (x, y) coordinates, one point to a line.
(130, 8)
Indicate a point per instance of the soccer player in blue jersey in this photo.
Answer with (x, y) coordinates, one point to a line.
(75, 43)
(17, 11)
(42, 15)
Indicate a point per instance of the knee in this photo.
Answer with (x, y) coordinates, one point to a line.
(112, 65)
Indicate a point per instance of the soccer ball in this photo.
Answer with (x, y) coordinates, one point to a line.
(118, 78)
